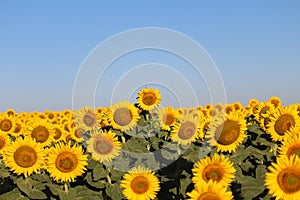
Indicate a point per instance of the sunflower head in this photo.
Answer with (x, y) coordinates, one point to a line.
(7, 123)
(86, 118)
(4, 141)
(148, 98)
(140, 183)
(276, 101)
(168, 117)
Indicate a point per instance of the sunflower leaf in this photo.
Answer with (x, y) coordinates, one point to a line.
(114, 191)
(251, 187)
(37, 194)
(68, 195)
(24, 185)
(55, 189)
(99, 172)
(14, 194)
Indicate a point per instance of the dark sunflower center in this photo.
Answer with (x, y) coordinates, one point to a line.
(149, 98)
(139, 185)
(284, 123)
(122, 116)
(208, 196)
(79, 132)
(264, 110)
(40, 134)
(169, 119)
(5, 125)
(213, 172)
(103, 146)
(25, 156)
(227, 134)
(2, 142)
(90, 119)
(289, 180)
(187, 130)
(58, 133)
(66, 162)
(293, 150)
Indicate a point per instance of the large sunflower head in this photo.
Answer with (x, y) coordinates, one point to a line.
(217, 168)
(140, 183)
(86, 119)
(123, 116)
(66, 162)
(104, 146)
(282, 121)
(291, 145)
(283, 178)
(168, 117)
(210, 191)
(41, 131)
(228, 134)
(24, 156)
(148, 98)
(186, 131)
(4, 141)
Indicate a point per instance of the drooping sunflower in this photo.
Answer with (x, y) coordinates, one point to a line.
(24, 156)
(283, 178)
(217, 168)
(86, 119)
(66, 162)
(227, 134)
(4, 141)
(263, 114)
(123, 116)
(140, 183)
(167, 117)
(148, 98)
(210, 191)
(291, 145)
(282, 121)
(7, 123)
(104, 146)
(40, 130)
(186, 131)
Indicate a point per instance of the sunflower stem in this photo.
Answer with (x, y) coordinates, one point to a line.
(66, 188)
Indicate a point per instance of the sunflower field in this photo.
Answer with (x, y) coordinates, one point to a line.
(141, 151)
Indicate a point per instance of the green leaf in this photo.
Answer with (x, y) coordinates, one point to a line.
(24, 185)
(97, 184)
(15, 194)
(114, 191)
(135, 145)
(116, 175)
(99, 172)
(37, 194)
(68, 195)
(55, 189)
(251, 187)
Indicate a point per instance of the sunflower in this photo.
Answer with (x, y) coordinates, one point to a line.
(228, 134)
(7, 123)
(186, 131)
(104, 146)
(275, 101)
(24, 156)
(66, 162)
(59, 132)
(291, 146)
(4, 141)
(283, 178)
(140, 183)
(40, 130)
(167, 117)
(281, 121)
(86, 119)
(148, 98)
(217, 168)
(123, 116)
(10, 112)
(210, 191)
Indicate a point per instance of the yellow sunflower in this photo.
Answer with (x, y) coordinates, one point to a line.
(167, 117)
(281, 121)
(283, 178)
(7, 123)
(4, 141)
(228, 134)
(123, 116)
(291, 146)
(24, 156)
(10, 112)
(66, 162)
(86, 119)
(275, 101)
(140, 184)
(217, 168)
(40, 130)
(210, 191)
(186, 131)
(148, 98)
(104, 146)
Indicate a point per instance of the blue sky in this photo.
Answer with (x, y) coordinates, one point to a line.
(255, 45)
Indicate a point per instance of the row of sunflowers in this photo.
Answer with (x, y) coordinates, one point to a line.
(142, 151)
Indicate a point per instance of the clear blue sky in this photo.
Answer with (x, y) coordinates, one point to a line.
(255, 44)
